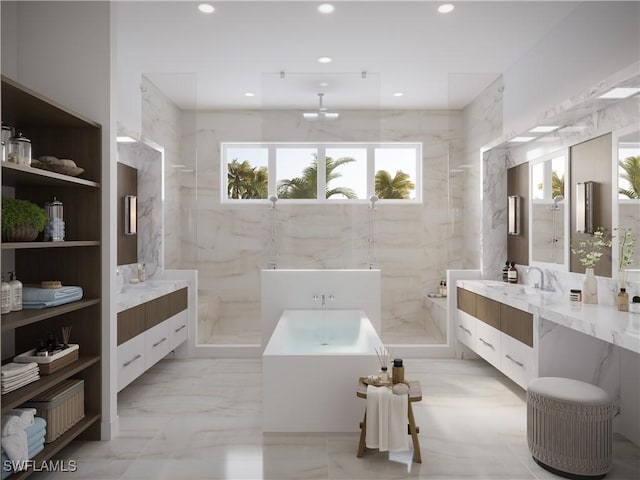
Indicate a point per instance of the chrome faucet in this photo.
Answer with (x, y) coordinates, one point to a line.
(541, 285)
(324, 299)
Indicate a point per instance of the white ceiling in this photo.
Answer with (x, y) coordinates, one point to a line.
(437, 61)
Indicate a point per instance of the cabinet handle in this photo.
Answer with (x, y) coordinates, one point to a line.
(126, 364)
(159, 342)
(520, 364)
(178, 329)
(486, 343)
(465, 329)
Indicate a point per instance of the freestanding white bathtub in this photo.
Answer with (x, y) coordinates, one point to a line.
(310, 370)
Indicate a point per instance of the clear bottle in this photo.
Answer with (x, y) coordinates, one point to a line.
(623, 300)
(15, 286)
(383, 375)
(512, 273)
(635, 305)
(444, 288)
(19, 150)
(5, 306)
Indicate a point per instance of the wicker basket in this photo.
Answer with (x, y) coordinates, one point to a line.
(21, 233)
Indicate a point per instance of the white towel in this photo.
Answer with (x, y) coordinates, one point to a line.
(26, 415)
(16, 447)
(386, 420)
(12, 369)
(10, 386)
(17, 378)
(372, 438)
(10, 425)
(398, 411)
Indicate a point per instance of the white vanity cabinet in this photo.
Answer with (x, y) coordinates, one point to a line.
(499, 333)
(148, 332)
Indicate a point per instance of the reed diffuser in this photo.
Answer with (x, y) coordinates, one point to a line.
(384, 355)
(66, 335)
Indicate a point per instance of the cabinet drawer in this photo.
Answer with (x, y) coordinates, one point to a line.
(466, 330)
(517, 361)
(517, 324)
(178, 301)
(488, 311)
(467, 301)
(131, 360)
(488, 343)
(158, 310)
(157, 343)
(131, 322)
(178, 329)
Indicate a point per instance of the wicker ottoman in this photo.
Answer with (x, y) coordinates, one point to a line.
(569, 427)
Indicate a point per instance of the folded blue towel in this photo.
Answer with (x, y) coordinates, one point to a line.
(39, 425)
(53, 303)
(38, 295)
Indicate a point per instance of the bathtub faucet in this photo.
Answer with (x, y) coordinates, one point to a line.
(324, 299)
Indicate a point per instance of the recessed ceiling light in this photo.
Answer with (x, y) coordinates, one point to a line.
(521, 139)
(398, 94)
(621, 92)
(206, 8)
(446, 8)
(324, 84)
(326, 8)
(544, 128)
(125, 139)
(249, 94)
(325, 60)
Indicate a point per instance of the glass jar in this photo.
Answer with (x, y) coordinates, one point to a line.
(19, 150)
(7, 133)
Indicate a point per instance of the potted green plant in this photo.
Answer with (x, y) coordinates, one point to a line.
(21, 220)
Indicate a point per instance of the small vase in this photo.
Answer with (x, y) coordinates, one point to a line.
(589, 287)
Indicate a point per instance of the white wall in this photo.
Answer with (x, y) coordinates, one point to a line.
(596, 40)
(63, 50)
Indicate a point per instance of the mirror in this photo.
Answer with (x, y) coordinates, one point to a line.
(626, 155)
(549, 219)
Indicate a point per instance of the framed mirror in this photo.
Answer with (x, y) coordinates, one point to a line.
(549, 213)
(626, 174)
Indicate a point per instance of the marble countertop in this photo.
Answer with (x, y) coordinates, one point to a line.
(133, 294)
(604, 322)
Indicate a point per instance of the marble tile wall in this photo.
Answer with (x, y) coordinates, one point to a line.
(232, 240)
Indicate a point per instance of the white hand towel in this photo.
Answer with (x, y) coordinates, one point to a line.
(398, 411)
(26, 415)
(371, 438)
(16, 447)
(10, 425)
(384, 407)
(19, 378)
(12, 369)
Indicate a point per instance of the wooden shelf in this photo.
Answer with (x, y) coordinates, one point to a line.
(18, 397)
(50, 449)
(24, 317)
(64, 244)
(14, 175)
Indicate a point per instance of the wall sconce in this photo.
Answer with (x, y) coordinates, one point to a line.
(514, 215)
(584, 207)
(130, 214)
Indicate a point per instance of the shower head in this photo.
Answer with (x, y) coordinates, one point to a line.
(273, 199)
(557, 199)
(373, 199)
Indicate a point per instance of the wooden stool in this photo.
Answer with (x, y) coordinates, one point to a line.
(415, 395)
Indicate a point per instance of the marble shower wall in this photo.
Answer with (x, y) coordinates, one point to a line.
(148, 162)
(232, 242)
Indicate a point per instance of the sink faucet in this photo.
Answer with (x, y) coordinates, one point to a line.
(541, 286)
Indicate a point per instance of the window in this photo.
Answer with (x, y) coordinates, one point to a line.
(322, 173)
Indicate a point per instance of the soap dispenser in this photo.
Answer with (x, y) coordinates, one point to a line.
(142, 272)
(6, 298)
(505, 272)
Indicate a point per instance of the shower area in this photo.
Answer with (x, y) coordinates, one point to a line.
(230, 242)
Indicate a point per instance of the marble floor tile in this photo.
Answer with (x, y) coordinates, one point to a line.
(201, 419)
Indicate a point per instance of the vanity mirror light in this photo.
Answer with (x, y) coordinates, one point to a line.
(584, 207)
(626, 201)
(549, 213)
(514, 215)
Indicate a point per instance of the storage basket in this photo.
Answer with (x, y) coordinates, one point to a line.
(53, 363)
(21, 233)
(61, 406)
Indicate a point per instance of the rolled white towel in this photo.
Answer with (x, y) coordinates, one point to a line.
(16, 447)
(10, 425)
(26, 415)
